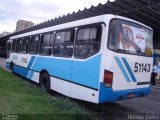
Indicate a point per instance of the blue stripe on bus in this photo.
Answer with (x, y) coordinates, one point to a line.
(81, 72)
(31, 62)
(84, 73)
(21, 70)
(30, 74)
(122, 69)
(129, 69)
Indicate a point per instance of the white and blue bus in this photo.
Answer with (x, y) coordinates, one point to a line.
(99, 59)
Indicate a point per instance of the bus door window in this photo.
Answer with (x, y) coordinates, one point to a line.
(46, 44)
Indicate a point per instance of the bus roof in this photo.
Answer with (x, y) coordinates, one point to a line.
(91, 20)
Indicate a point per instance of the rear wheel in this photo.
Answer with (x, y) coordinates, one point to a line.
(45, 82)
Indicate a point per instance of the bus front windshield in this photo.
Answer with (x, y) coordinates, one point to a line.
(131, 38)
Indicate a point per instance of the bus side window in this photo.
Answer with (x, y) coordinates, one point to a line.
(14, 45)
(46, 44)
(34, 44)
(63, 45)
(88, 42)
(25, 45)
(8, 48)
(18, 46)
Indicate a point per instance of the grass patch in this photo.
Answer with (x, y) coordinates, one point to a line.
(28, 101)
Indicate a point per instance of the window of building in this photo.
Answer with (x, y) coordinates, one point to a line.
(19, 45)
(34, 44)
(25, 45)
(63, 45)
(46, 44)
(14, 46)
(88, 42)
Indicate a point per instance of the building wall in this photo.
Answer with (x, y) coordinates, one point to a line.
(23, 24)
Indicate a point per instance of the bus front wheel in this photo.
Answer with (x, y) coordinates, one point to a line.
(45, 82)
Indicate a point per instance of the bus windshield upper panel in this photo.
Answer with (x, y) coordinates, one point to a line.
(129, 37)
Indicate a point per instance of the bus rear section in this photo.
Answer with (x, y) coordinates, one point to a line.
(128, 61)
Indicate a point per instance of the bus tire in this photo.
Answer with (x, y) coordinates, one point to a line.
(45, 82)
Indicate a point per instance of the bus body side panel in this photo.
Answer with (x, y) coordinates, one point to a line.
(74, 78)
(74, 90)
(81, 82)
(87, 72)
(56, 67)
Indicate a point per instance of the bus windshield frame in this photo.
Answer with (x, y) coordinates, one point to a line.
(128, 37)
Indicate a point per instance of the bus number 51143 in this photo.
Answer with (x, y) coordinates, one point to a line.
(142, 67)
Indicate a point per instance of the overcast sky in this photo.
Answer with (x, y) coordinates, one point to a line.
(38, 10)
